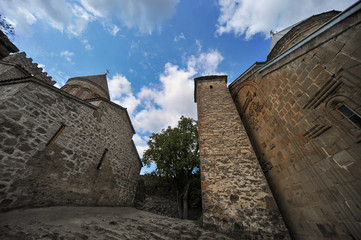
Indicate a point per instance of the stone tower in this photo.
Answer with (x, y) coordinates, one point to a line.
(236, 197)
(88, 87)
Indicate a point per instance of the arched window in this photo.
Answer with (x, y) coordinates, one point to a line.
(349, 114)
(343, 112)
(84, 94)
(73, 90)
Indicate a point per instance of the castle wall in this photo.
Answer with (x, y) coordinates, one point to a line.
(35, 171)
(235, 196)
(310, 151)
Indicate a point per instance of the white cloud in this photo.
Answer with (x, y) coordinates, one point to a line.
(134, 44)
(74, 15)
(87, 45)
(157, 107)
(121, 93)
(143, 14)
(80, 20)
(141, 144)
(179, 37)
(114, 30)
(67, 55)
(41, 66)
(249, 17)
(174, 97)
(59, 77)
(119, 86)
(199, 45)
(206, 63)
(111, 28)
(24, 13)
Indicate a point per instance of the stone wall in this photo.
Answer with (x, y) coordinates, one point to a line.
(235, 195)
(38, 171)
(309, 150)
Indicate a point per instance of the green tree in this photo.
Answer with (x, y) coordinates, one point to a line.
(176, 154)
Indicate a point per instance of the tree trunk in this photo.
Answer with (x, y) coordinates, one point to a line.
(185, 201)
(179, 203)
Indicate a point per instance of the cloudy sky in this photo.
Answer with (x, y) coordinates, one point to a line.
(153, 48)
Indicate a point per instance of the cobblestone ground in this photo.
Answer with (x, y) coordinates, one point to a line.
(97, 223)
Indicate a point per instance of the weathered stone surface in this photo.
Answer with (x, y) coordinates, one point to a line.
(290, 111)
(235, 195)
(20, 60)
(38, 171)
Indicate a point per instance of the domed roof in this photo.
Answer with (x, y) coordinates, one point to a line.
(88, 86)
(290, 36)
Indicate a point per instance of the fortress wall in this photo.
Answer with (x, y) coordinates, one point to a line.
(235, 196)
(310, 151)
(64, 172)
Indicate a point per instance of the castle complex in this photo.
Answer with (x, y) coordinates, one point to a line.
(281, 145)
(68, 146)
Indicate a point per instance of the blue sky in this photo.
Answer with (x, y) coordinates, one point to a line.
(153, 48)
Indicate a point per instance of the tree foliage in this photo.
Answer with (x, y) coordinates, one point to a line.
(175, 151)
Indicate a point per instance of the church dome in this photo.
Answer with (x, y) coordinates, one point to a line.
(290, 36)
(88, 87)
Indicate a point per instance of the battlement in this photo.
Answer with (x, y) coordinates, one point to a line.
(31, 69)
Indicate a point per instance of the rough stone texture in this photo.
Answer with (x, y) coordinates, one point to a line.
(235, 195)
(156, 196)
(64, 172)
(98, 223)
(160, 197)
(310, 152)
(27, 65)
(6, 46)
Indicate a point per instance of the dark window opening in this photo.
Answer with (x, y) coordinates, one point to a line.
(210, 86)
(102, 158)
(350, 115)
(52, 139)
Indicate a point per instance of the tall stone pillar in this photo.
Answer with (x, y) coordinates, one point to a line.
(235, 194)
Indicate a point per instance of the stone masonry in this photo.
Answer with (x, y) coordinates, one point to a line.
(57, 149)
(235, 194)
(294, 111)
(301, 110)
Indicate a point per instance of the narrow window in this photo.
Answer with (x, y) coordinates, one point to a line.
(52, 139)
(350, 115)
(102, 158)
(210, 86)
(83, 94)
